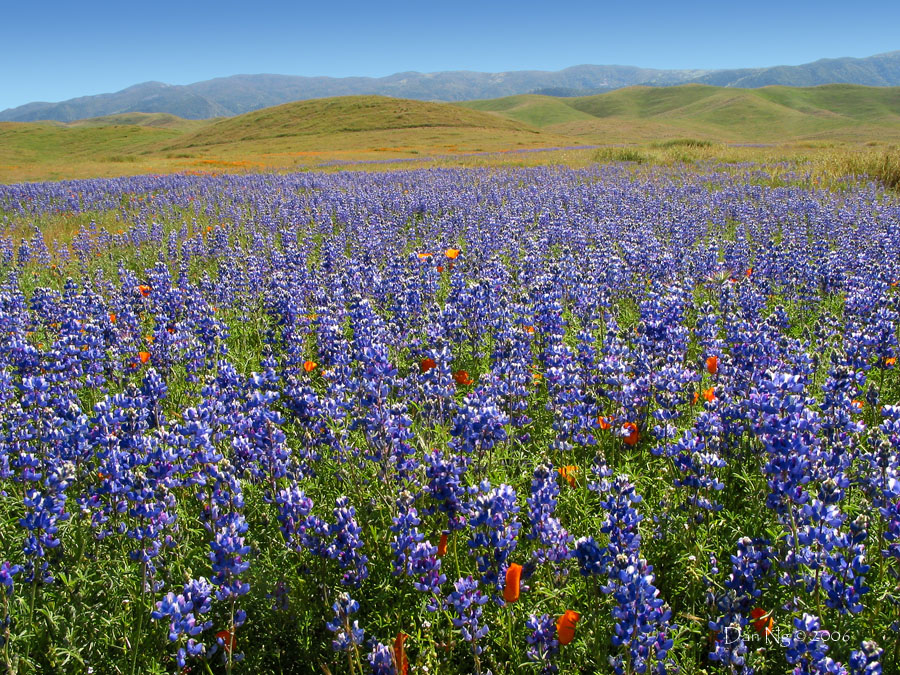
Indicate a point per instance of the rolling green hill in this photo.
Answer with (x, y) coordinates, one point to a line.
(351, 128)
(770, 114)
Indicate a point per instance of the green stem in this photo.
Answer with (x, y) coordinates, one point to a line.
(139, 607)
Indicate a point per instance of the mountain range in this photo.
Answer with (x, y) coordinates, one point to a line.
(238, 94)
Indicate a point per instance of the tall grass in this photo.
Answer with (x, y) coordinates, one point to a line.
(882, 166)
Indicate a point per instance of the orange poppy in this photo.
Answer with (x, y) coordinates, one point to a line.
(513, 581)
(209, 228)
(529, 329)
(632, 437)
(442, 545)
(423, 256)
(401, 663)
(227, 637)
(149, 339)
(712, 365)
(696, 397)
(462, 378)
(426, 364)
(605, 422)
(144, 356)
(440, 269)
(857, 404)
(565, 626)
(763, 621)
(145, 290)
(890, 361)
(568, 472)
(112, 317)
(749, 272)
(309, 366)
(452, 253)
(710, 394)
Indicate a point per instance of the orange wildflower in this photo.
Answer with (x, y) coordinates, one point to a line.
(144, 356)
(890, 361)
(423, 256)
(513, 582)
(605, 422)
(209, 228)
(401, 663)
(427, 364)
(227, 637)
(565, 626)
(442, 545)
(112, 317)
(696, 398)
(749, 272)
(632, 437)
(712, 365)
(857, 404)
(452, 253)
(529, 329)
(763, 621)
(568, 472)
(462, 378)
(149, 339)
(710, 394)
(440, 269)
(144, 289)
(309, 366)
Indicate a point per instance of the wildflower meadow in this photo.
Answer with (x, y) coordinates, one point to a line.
(609, 420)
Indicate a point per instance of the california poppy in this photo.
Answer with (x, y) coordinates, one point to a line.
(440, 269)
(710, 394)
(890, 361)
(632, 437)
(426, 364)
(144, 356)
(112, 317)
(227, 638)
(145, 290)
(763, 621)
(309, 366)
(605, 422)
(462, 378)
(857, 404)
(452, 253)
(529, 329)
(749, 272)
(423, 256)
(712, 365)
(568, 472)
(696, 397)
(513, 581)
(442, 545)
(565, 626)
(401, 663)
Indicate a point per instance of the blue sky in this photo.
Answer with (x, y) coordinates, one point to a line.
(52, 51)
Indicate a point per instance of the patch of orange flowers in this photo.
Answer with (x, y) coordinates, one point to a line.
(309, 366)
(461, 377)
(565, 626)
(401, 663)
(442, 545)
(427, 364)
(144, 289)
(144, 356)
(712, 365)
(762, 621)
(632, 437)
(513, 582)
(710, 394)
(452, 253)
(569, 473)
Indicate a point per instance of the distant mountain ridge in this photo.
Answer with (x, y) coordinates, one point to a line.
(238, 94)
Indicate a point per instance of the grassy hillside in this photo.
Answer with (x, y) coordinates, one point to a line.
(354, 128)
(770, 114)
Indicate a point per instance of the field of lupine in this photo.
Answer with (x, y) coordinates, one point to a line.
(450, 421)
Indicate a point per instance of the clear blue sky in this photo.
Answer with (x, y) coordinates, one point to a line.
(52, 51)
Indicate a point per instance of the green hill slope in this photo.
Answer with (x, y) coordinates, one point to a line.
(770, 114)
(348, 115)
